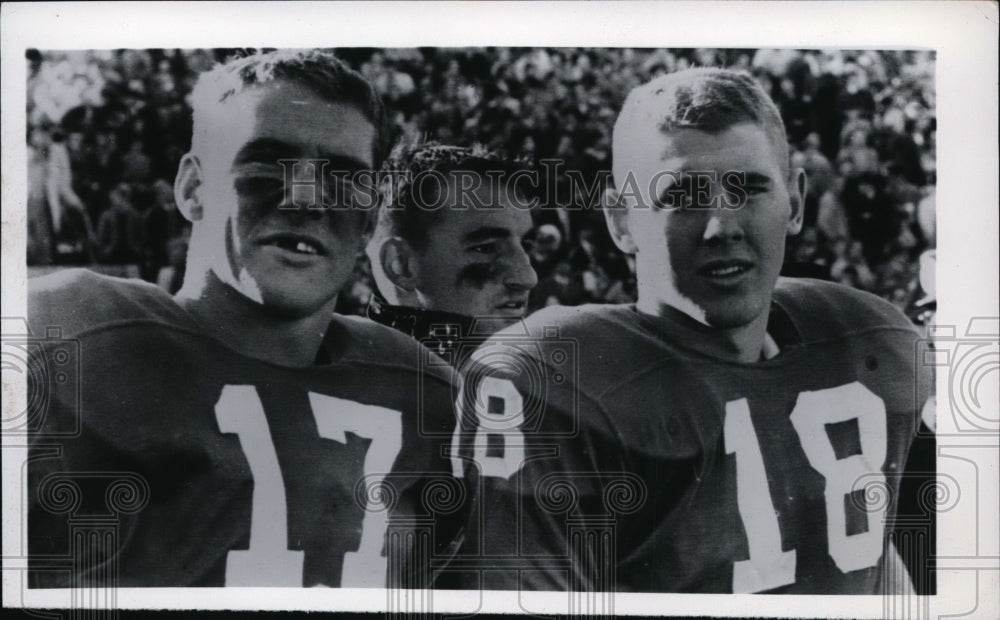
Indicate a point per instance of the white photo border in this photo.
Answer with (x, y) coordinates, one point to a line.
(963, 34)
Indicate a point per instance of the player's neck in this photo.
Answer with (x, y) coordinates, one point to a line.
(745, 344)
(242, 324)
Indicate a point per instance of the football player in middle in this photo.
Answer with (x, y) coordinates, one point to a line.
(450, 253)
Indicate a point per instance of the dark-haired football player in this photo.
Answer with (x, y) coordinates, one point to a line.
(451, 245)
(241, 434)
(729, 432)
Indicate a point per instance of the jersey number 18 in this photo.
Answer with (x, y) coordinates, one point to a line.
(768, 566)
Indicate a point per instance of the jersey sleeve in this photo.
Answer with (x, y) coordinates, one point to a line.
(539, 450)
(68, 303)
(84, 491)
(846, 311)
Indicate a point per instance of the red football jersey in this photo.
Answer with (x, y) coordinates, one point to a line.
(164, 458)
(615, 453)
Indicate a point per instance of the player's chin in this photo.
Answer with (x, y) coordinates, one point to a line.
(733, 313)
(293, 296)
(507, 312)
(734, 305)
(293, 304)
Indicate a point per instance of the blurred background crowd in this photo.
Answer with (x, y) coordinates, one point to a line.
(106, 130)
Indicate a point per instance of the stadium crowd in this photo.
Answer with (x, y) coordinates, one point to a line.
(106, 130)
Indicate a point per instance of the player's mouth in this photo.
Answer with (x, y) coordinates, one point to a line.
(513, 307)
(294, 244)
(725, 270)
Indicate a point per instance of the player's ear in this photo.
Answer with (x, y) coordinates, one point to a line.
(187, 188)
(797, 186)
(398, 260)
(616, 216)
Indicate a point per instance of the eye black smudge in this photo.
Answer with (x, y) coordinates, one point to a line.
(479, 274)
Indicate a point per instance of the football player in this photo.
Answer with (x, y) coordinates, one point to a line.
(729, 432)
(239, 433)
(450, 254)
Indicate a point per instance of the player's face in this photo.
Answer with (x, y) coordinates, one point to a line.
(293, 261)
(718, 265)
(475, 262)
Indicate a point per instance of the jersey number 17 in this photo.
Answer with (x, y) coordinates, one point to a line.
(268, 561)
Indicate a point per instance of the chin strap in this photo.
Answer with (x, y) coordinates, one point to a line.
(438, 331)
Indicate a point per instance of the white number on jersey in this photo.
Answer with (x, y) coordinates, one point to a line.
(365, 567)
(768, 566)
(504, 424)
(816, 409)
(269, 561)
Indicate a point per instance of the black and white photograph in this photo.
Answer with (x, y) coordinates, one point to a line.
(452, 321)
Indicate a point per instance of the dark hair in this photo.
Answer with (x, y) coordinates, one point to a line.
(318, 70)
(409, 209)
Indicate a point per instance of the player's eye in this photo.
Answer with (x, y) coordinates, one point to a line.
(490, 247)
(528, 245)
(262, 189)
(677, 196)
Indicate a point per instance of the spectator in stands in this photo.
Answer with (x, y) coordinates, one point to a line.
(136, 165)
(41, 237)
(831, 220)
(59, 182)
(564, 287)
(796, 109)
(820, 173)
(857, 99)
(119, 231)
(548, 246)
(107, 162)
(862, 157)
(79, 154)
(162, 226)
(805, 257)
(72, 231)
(869, 211)
(850, 266)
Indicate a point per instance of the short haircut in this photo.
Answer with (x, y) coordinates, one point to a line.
(409, 210)
(707, 99)
(320, 71)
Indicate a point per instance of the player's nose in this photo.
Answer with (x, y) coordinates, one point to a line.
(520, 274)
(723, 226)
(299, 214)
